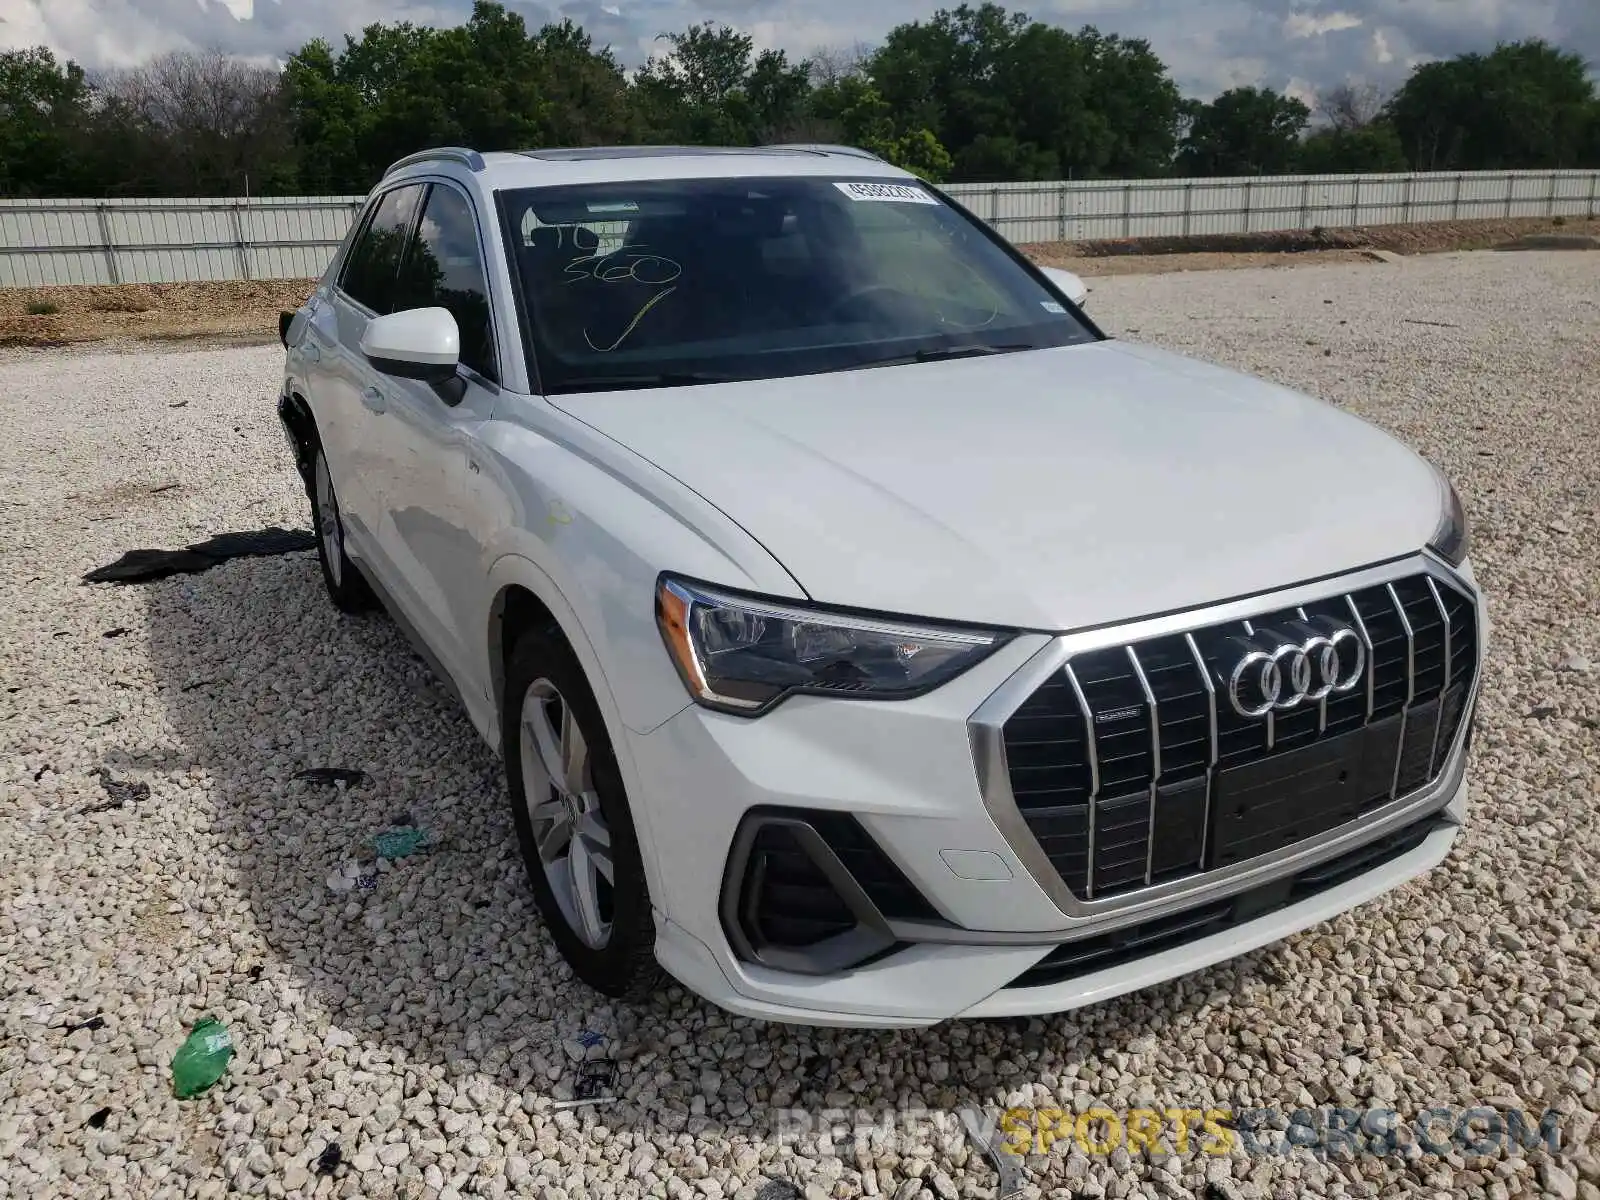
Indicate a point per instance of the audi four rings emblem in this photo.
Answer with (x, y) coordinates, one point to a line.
(1301, 662)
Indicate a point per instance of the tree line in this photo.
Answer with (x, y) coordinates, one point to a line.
(973, 94)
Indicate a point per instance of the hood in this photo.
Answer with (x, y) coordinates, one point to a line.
(1051, 489)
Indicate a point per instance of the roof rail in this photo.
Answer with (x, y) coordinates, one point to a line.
(825, 148)
(470, 159)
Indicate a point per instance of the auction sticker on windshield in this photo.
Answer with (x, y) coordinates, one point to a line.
(895, 193)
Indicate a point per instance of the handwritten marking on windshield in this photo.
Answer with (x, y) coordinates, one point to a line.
(562, 231)
(624, 266)
(632, 325)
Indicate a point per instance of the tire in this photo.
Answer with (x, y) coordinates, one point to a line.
(347, 587)
(604, 928)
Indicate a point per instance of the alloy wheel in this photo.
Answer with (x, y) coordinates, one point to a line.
(569, 827)
(328, 527)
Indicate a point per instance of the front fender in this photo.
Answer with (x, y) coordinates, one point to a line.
(513, 570)
(592, 526)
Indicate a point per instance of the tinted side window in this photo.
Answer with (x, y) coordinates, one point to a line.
(444, 268)
(369, 276)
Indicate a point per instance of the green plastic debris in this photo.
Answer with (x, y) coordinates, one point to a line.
(202, 1059)
(398, 843)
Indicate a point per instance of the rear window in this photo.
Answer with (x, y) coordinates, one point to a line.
(683, 281)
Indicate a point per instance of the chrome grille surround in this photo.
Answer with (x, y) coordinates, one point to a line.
(1151, 897)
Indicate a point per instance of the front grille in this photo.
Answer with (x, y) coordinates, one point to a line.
(1131, 767)
(1072, 960)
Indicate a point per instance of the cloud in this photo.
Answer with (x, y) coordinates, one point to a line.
(1303, 91)
(1305, 24)
(1208, 44)
(118, 33)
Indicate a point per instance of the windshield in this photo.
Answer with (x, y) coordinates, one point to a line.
(662, 282)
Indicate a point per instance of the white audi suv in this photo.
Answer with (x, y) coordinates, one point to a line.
(870, 639)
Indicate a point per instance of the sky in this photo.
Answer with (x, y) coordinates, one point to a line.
(1299, 46)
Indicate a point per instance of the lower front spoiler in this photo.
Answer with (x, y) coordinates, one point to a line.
(928, 983)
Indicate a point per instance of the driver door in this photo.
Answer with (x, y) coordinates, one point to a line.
(433, 483)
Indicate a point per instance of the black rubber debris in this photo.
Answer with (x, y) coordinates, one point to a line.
(333, 776)
(598, 1081)
(114, 633)
(94, 1022)
(330, 1158)
(98, 1118)
(119, 793)
(139, 566)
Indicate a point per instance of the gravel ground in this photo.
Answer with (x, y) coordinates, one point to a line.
(427, 1027)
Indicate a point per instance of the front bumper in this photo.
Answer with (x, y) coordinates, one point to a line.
(929, 982)
(907, 773)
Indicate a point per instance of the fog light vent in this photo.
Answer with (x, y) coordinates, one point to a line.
(811, 892)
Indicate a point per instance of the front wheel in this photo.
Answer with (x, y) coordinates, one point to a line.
(573, 823)
(347, 588)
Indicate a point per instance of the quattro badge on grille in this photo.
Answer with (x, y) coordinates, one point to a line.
(1279, 669)
(1118, 714)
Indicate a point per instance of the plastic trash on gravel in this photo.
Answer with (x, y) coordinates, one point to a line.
(400, 842)
(202, 1059)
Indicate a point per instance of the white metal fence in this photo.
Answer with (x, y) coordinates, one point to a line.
(162, 241)
(168, 241)
(1047, 212)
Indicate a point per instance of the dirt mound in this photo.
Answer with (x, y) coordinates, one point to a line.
(1426, 238)
(1286, 241)
(1552, 241)
(42, 316)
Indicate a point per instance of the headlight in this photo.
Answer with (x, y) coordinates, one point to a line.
(1450, 541)
(742, 654)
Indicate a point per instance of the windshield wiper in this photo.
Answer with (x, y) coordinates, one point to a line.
(603, 383)
(943, 353)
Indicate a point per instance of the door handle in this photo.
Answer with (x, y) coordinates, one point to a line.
(373, 399)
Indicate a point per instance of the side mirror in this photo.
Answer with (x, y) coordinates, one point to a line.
(419, 343)
(1076, 290)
